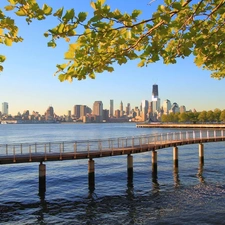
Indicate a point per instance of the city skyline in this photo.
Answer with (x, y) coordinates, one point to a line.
(27, 81)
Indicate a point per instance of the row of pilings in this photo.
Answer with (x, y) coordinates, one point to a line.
(91, 168)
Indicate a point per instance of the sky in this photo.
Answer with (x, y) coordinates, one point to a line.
(28, 81)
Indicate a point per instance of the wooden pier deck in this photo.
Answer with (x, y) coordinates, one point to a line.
(57, 151)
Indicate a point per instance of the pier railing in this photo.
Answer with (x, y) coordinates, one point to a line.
(111, 144)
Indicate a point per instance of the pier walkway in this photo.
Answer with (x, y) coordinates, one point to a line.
(72, 150)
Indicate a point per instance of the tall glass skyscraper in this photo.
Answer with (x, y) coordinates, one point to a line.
(155, 93)
(155, 98)
(111, 108)
(5, 108)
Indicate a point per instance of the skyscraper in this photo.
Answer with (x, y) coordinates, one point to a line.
(155, 93)
(5, 108)
(76, 111)
(128, 109)
(121, 109)
(98, 110)
(111, 108)
(166, 106)
(83, 110)
(144, 107)
(49, 115)
(155, 98)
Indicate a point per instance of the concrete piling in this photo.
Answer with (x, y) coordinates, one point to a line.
(130, 167)
(201, 153)
(175, 157)
(91, 174)
(154, 164)
(42, 178)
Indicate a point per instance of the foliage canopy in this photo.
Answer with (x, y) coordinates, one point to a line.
(176, 29)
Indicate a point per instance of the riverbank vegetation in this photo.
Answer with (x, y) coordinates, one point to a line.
(210, 116)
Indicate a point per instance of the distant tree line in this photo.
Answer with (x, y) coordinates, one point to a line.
(195, 117)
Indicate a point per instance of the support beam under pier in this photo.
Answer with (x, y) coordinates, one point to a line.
(175, 157)
(201, 153)
(42, 178)
(154, 164)
(91, 174)
(130, 168)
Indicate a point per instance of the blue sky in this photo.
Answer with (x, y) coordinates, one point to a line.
(28, 82)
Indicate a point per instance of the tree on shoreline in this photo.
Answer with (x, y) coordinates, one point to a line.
(195, 117)
(177, 29)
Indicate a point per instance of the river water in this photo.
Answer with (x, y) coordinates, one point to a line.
(194, 195)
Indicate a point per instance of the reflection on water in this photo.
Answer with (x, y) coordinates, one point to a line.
(200, 173)
(166, 197)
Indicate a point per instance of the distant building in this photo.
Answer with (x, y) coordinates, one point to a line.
(117, 113)
(175, 108)
(182, 109)
(49, 115)
(98, 110)
(83, 110)
(155, 105)
(145, 107)
(76, 111)
(121, 109)
(128, 109)
(155, 92)
(105, 115)
(166, 106)
(111, 108)
(5, 108)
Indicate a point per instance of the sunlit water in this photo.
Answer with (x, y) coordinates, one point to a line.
(193, 196)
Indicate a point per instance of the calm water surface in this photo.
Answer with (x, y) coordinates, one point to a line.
(194, 195)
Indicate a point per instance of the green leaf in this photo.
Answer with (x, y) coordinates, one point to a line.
(21, 12)
(9, 7)
(1, 68)
(52, 44)
(61, 28)
(92, 76)
(12, 2)
(93, 5)
(135, 14)
(69, 15)
(199, 61)
(101, 2)
(47, 9)
(2, 58)
(141, 64)
(82, 16)
(59, 13)
(69, 55)
(8, 41)
(177, 5)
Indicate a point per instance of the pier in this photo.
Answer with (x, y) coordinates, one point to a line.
(90, 149)
(181, 125)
